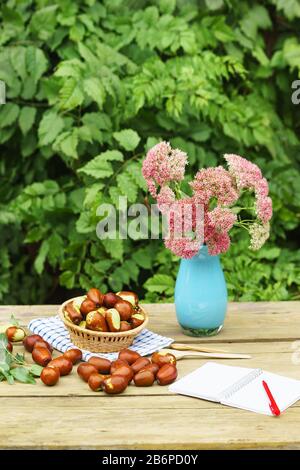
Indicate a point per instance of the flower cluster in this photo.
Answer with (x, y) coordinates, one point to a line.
(185, 232)
(208, 214)
(247, 175)
(217, 183)
(163, 165)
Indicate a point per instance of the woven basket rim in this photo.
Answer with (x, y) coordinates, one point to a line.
(101, 334)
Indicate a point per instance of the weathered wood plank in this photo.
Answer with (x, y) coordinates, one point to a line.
(168, 423)
(246, 321)
(276, 357)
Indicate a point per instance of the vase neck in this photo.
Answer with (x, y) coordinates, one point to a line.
(204, 254)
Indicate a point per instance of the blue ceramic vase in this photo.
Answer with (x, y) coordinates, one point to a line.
(201, 295)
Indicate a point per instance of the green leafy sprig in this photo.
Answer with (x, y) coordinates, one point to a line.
(14, 367)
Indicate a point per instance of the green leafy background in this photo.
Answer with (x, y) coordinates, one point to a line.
(91, 85)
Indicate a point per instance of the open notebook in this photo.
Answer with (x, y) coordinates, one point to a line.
(239, 387)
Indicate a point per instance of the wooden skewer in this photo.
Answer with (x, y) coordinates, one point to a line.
(191, 347)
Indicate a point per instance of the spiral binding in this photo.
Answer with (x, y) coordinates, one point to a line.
(229, 391)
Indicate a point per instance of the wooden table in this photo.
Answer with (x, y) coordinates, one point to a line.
(70, 416)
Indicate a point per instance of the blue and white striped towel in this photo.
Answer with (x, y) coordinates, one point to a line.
(53, 330)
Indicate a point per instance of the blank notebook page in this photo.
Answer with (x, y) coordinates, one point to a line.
(253, 396)
(209, 381)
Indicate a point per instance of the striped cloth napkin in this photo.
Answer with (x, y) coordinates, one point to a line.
(53, 330)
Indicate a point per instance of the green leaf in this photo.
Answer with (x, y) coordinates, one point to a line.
(9, 113)
(127, 138)
(18, 60)
(95, 90)
(43, 22)
(67, 279)
(21, 374)
(114, 247)
(84, 223)
(41, 258)
(35, 370)
(214, 4)
(5, 373)
(67, 143)
(50, 126)
(161, 283)
(100, 166)
(5, 356)
(142, 257)
(26, 118)
(70, 94)
(257, 17)
(127, 186)
(36, 64)
(167, 6)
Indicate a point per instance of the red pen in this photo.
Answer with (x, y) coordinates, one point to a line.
(273, 405)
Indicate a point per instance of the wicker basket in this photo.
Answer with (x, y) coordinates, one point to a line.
(96, 341)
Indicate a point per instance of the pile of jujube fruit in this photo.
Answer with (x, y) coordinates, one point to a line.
(102, 374)
(114, 377)
(105, 312)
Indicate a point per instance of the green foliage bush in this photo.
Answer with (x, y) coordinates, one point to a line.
(91, 85)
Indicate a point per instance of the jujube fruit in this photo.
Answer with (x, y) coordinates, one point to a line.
(124, 371)
(95, 382)
(136, 320)
(87, 306)
(110, 299)
(113, 320)
(50, 375)
(144, 378)
(166, 374)
(129, 356)
(74, 355)
(161, 358)
(139, 364)
(152, 367)
(102, 365)
(124, 308)
(30, 341)
(117, 364)
(129, 296)
(73, 314)
(84, 370)
(41, 356)
(114, 384)
(95, 296)
(64, 365)
(125, 326)
(96, 322)
(15, 334)
(41, 343)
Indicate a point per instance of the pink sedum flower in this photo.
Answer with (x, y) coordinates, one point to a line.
(222, 219)
(264, 209)
(183, 247)
(246, 173)
(218, 243)
(214, 182)
(219, 221)
(185, 226)
(164, 198)
(261, 188)
(163, 165)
